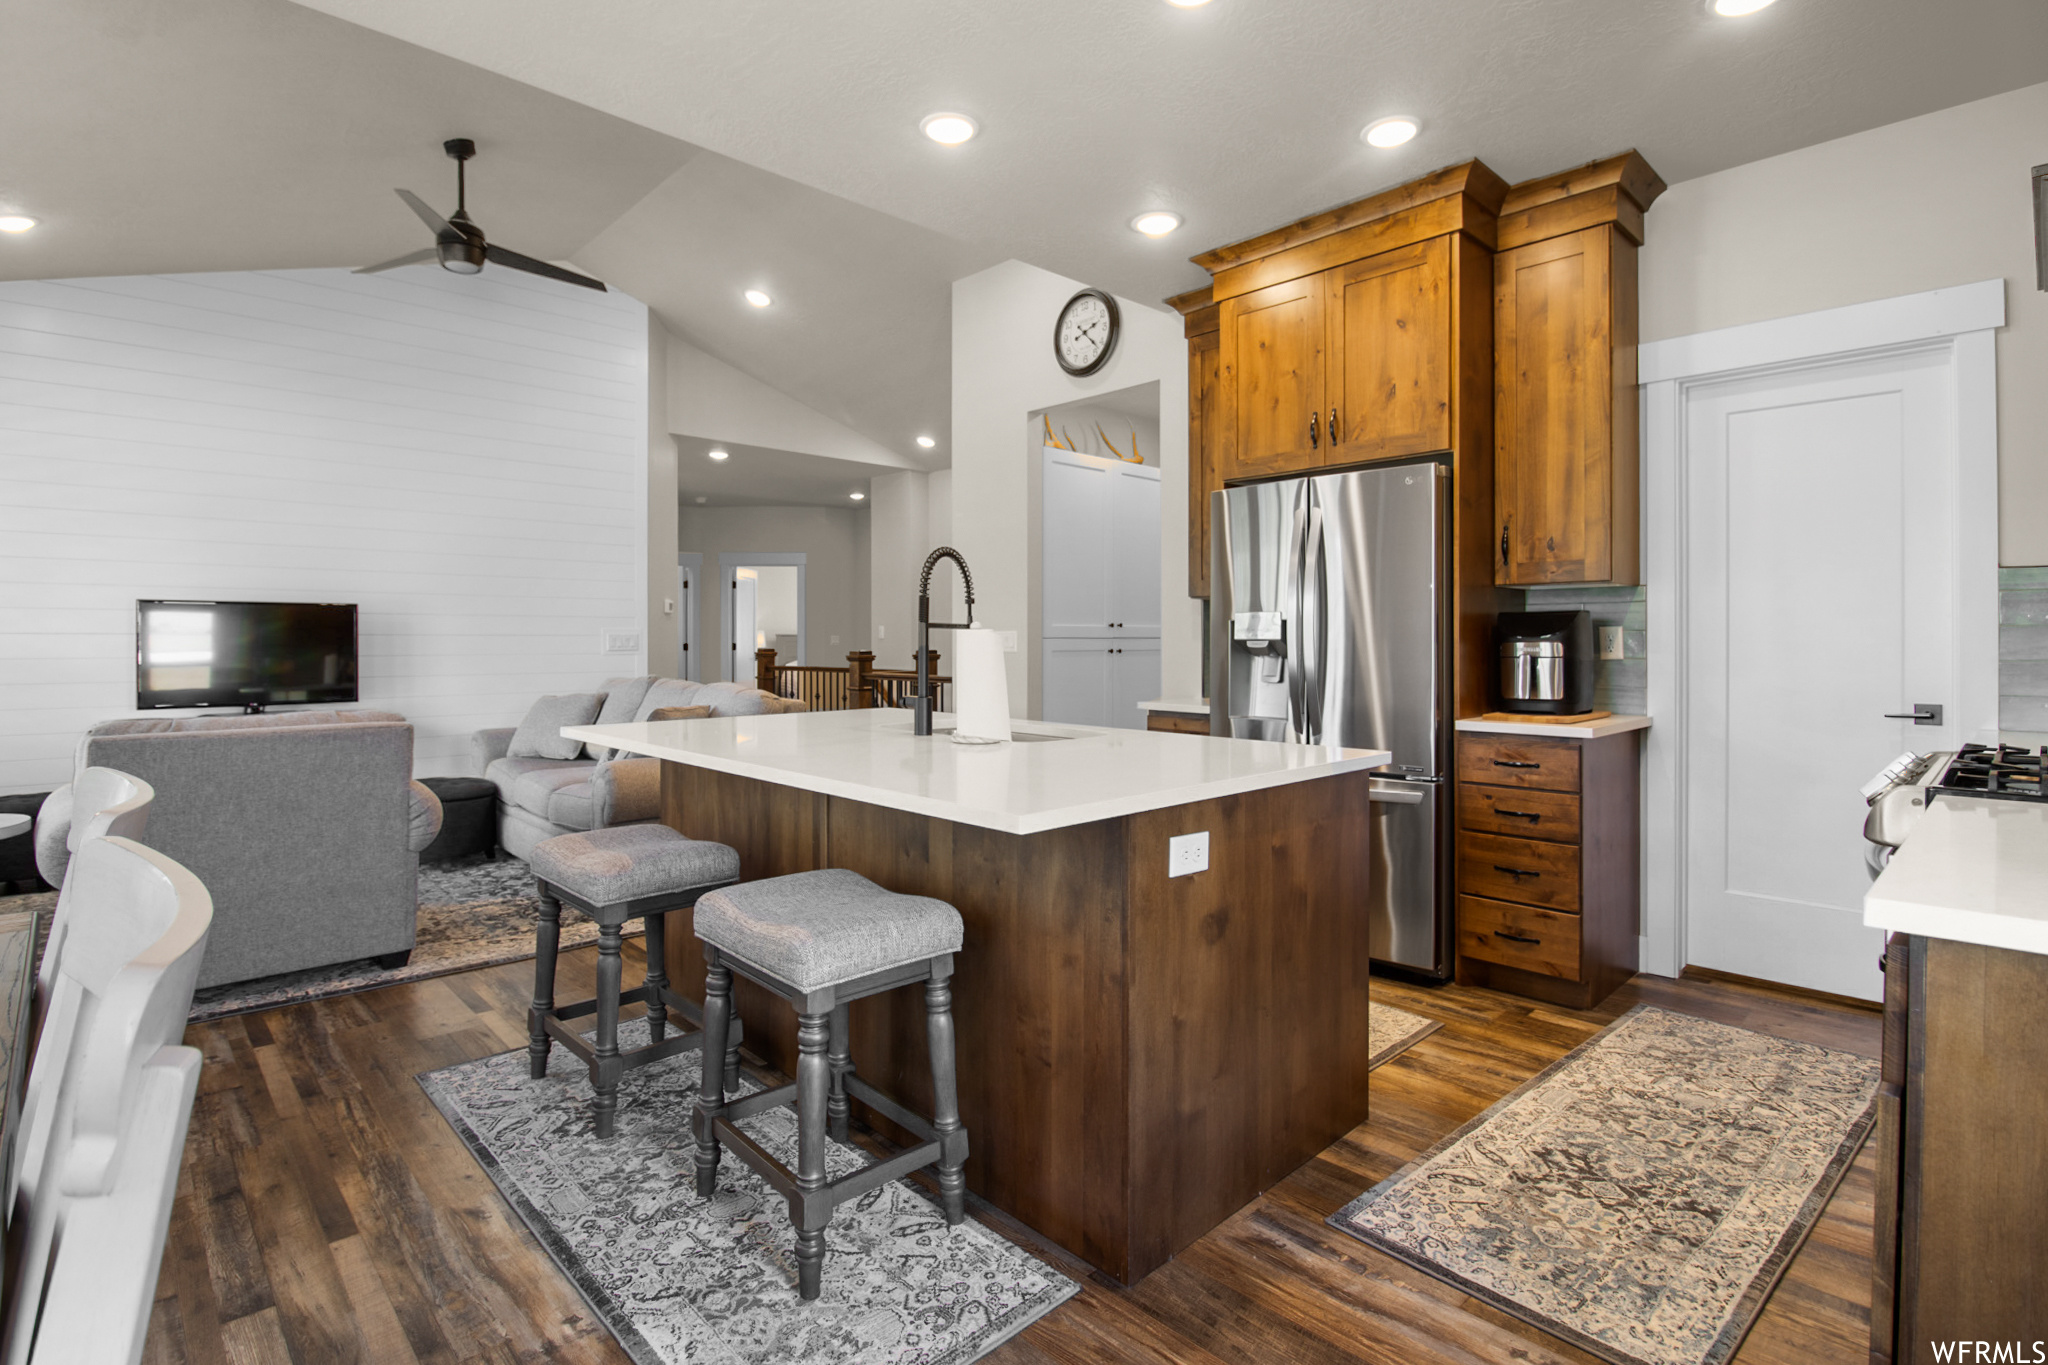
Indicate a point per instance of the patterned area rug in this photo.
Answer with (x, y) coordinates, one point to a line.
(1641, 1197)
(1395, 1031)
(680, 1279)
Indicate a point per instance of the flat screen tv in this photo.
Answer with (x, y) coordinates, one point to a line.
(246, 654)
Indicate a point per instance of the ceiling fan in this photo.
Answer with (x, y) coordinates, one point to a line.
(459, 244)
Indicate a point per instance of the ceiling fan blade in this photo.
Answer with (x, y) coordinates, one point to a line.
(427, 215)
(498, 255)
(416, 258)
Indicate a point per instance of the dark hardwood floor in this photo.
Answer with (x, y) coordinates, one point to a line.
(326, 1212)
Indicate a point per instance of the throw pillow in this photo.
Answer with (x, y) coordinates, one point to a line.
(621, 703)
(540, 734)
(679, 713)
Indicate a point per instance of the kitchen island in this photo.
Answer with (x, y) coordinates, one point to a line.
(1139, 1054)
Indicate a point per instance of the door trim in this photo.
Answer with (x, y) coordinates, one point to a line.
(1960, 322)
(728, 560)
(690, 626)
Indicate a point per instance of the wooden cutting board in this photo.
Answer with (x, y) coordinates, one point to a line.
(1520, 719)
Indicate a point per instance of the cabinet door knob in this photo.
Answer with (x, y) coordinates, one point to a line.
(1503, 545)
(1312, 442)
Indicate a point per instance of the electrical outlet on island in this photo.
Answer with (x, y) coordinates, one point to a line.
(1187, 854)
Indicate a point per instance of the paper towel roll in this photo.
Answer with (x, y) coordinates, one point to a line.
(981, 687)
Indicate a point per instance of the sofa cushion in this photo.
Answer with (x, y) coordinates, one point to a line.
(670, 692)
(530, 783)
(573, 806)
(540, 733)
(269, 720)
(622, 697)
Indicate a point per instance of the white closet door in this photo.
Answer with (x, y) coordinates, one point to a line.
(1134, 550)
(1076, 508)
(1077, 681)
(1133, 677)
(1821, 598)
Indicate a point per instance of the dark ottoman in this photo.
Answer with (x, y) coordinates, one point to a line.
(469, 818)
(18, 874)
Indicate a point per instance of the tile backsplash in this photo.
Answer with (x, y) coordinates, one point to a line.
(2023, 649)
(1622, 685)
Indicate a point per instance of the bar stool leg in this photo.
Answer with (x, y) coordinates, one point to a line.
(839, 1061)
(547, 942)
(604, 1068)
(938, 1015)
(657, 977)
(711, 1089)
(813, 1082)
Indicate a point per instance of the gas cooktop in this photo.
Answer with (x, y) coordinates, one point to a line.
(2003, 771)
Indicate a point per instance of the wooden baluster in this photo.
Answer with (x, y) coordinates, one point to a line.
(857, 665)
(764, 669)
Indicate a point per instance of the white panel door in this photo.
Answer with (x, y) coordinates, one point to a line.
(1077, 681)
(1134, 551)
(1133, 677)
(1821, 596)
(1078, 493)
(741, 639)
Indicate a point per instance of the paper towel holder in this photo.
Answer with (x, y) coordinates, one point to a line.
(921, 713)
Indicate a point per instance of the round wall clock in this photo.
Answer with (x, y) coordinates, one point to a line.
(1086, 332)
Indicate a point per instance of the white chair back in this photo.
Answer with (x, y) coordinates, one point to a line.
(104, 801)
(104, 1115)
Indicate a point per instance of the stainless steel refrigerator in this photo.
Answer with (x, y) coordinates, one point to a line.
(1328, 625)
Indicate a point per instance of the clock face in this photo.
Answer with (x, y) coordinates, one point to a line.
(1086, 332)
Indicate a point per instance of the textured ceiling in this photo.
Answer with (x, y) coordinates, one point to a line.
(1239, 114)
(256, 135)
(756, 476)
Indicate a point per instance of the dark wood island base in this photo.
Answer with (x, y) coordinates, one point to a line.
(1139, 1055)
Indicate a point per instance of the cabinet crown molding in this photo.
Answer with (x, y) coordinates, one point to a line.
(1627, 171)
(1616, 190)
(1473, 179)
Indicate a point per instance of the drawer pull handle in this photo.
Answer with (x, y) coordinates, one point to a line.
(1515, 938)
(1517, 814)
(1513, 763)
(1516, 872)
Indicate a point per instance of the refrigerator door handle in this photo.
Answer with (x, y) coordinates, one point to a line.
(1315, 619)
(1291, 594)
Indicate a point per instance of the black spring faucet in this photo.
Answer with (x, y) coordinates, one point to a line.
(921, 714)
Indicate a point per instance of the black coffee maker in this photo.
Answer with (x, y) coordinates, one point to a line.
(1546, 662)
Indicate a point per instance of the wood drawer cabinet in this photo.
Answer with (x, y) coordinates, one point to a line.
(1961, 1217)
(1177, 722)
(1548, 886)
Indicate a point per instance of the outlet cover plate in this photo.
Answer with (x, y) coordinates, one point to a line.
(1610, 642)
(1187, 854)
(622, 642)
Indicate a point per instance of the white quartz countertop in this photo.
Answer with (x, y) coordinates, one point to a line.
(1070, 776)
(1972, 870)
(1592, 729)
(1187, 706)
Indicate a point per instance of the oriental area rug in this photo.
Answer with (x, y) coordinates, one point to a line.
(1394, 1032)
(1642, 1196)
(677, 1278)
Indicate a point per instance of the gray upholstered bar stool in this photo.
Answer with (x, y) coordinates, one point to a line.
(615, 876)
(821, 940)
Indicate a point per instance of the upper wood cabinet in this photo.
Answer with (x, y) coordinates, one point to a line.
(1204, 351)
(1566, 457)
(1270, 377)
(1389, 357)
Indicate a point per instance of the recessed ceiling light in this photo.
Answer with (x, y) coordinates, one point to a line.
(758, 299)
(951, 129)
(1735, 9)
(857, 497)
(1390, 132)
(926, 441)
(719, 454)
(16, 222)
(1187, 4)
(1157, 223)
(701, 501)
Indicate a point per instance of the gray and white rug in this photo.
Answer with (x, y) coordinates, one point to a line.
(1394, 1031)
(1641, 1197)
(681, 1279)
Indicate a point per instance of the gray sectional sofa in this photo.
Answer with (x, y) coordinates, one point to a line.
(305, 826)
(540, 797)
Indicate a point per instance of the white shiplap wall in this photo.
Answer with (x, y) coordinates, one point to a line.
(464, 457)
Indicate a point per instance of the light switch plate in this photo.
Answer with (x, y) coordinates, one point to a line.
(668, 606)
(1187, 854)
(622, 642)
(1610, 642)
(1009, 641)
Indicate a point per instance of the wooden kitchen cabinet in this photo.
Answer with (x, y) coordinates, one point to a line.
(1204, 351)
(1566, 460)
(1389, 354)
(1271, 379)
(1960, 1237)
(1548, 886)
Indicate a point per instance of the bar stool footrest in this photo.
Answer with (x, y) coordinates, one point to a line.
(746, 1106)
(813, 1208)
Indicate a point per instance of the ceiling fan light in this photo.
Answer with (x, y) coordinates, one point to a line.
(464, 257)
(1390, 132)
(858, 497)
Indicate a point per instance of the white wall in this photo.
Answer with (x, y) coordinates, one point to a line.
(464, 457)
(900, 537)
(709, 398)
(832, 541)
(663, 623)
(1003, 370)
(1939, 200)
(1079, 421)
